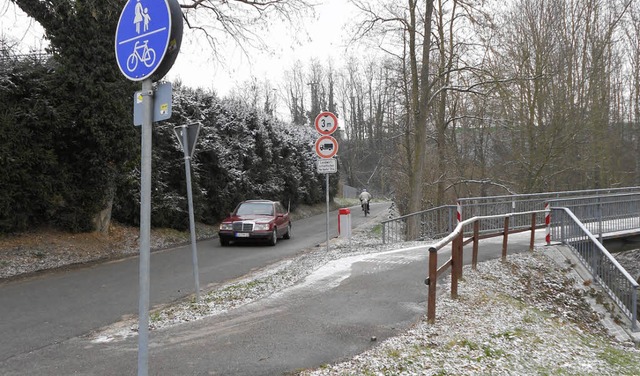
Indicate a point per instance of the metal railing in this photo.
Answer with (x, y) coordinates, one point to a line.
(484, 206)
(582, 214)
(604, 268)
(432, 224)
(605, 213)
(438, 222)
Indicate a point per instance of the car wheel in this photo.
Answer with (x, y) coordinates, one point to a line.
(224, 242)
(274, 237)
(287, 235)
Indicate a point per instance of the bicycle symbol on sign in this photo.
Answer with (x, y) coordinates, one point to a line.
(141, 52)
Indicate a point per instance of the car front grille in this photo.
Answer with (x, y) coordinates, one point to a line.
(242, 226)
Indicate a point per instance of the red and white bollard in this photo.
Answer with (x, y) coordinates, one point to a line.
(344, 223)
(459, 211)
(547, 222)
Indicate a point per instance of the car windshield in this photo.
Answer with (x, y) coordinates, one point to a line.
(255, 208)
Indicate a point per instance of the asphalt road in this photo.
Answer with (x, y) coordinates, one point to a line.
(54, 307)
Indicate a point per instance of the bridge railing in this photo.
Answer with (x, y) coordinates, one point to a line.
(574, 218)
(494, 205)
(438, 222)
(604, 268)
(603, 214)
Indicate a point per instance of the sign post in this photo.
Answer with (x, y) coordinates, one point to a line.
(146, 31)
(326, 147)
(187, 136)
(145, 230)
(326, 179)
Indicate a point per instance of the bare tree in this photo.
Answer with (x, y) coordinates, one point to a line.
(559, 107)
(257, 94)
(367, 104)
(413, 22)
(241, 22)
(294, 87)
(632, 33)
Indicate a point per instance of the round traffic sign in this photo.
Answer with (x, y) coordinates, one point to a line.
(326, 147)
(142, 37)
(326, 123)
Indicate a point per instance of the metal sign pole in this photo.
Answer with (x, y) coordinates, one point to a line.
(145, 229)
(327, 186)
(192, 226)
(162, 24)
(326, 147)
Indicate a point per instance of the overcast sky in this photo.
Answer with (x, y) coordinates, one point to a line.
(325, 42)
(15, 25)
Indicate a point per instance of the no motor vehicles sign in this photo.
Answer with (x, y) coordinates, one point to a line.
(326, 147)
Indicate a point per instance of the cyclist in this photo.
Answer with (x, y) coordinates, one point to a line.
(365, 197)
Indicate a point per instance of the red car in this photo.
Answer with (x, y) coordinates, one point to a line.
(256, 220)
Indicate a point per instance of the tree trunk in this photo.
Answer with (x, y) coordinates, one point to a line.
(420, 109)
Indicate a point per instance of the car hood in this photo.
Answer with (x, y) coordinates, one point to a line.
(252, 218)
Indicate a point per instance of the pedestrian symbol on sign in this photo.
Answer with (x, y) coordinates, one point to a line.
(138, 18)
(141, 15)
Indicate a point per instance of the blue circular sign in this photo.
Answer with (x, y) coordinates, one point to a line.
(142, 37)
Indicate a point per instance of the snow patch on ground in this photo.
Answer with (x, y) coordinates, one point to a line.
(528, 315)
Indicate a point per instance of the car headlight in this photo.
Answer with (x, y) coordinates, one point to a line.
(226, 226)
(261, 227)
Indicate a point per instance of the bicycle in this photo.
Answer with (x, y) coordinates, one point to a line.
(365, 206)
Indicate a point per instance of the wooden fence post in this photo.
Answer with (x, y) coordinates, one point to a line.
(433, 276)
(476, 241)
(460, 254)
(455, 260)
